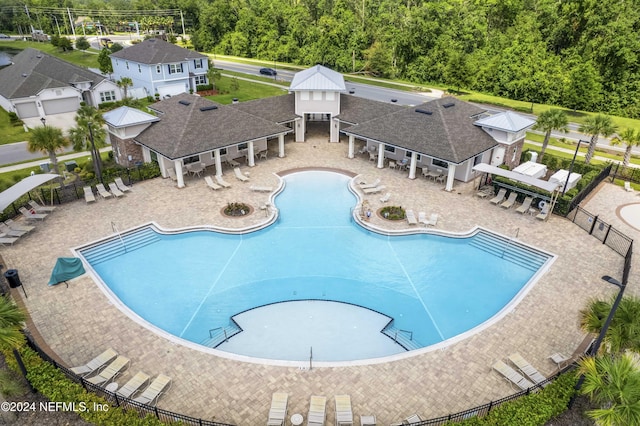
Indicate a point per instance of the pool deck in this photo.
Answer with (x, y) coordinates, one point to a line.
(79, 322)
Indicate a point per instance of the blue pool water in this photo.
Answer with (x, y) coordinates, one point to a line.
(433, 286)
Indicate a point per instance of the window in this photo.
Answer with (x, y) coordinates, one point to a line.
(223, 151)
(158, 69)
(390, 148)
(408, 155)
(243, 146)
(197, 63)
(192, 159)
(108, 96)
(175, 68)
(201, 79)
(440, 163)
(515, 152)
(477, 160)
(317, 96)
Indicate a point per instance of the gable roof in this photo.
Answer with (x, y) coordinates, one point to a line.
(443, 128)
(318, 78)
(156, 51)
(33, 71)
(276, 109)
(354, 110)
(125, 116)
(508, 121)
(191, 125)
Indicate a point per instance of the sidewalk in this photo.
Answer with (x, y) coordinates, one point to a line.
(61, 159)
(580, 154)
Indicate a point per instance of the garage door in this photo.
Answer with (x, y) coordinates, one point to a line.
(27, 110)
(58, 106)
(172, 90)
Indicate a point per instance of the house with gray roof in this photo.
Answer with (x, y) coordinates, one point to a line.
(38, 85)
(158, 67)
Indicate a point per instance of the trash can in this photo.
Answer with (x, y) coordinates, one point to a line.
(13, 278)
(45, 167)
(71, 165)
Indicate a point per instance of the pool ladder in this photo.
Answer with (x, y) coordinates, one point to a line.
(117, 231)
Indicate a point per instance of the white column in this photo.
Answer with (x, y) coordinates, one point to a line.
(334, 132)
(351, 146)
(179, 175)
(281, 145)
(380, 155)
(412, 165)
(251, 159)
(218, 161)
(300, 128)
(450, 175)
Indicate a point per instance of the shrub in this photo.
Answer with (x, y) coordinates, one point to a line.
(237, 209)
(393, 213)
(106, 105)
(14, 119)
(203, 87)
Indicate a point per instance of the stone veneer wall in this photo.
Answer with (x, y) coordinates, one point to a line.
(123, 148)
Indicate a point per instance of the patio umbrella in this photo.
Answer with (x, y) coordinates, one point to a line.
(66, 268)
(25, 185)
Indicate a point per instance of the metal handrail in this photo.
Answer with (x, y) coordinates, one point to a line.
(115, 229)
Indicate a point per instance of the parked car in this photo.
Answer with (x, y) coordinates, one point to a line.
(4, 36)
(268, 71)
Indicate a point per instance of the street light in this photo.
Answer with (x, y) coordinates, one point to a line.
(43, 120)
(57, 26)
(571, 166)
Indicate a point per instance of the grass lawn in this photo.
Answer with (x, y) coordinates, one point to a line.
(9, 133)
(583, 148)
(284, 84)
(246, 91)
(77, 57)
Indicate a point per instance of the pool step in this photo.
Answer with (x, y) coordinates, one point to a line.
(218, 336)
(401, 337)
(117, 246)
(508, 249)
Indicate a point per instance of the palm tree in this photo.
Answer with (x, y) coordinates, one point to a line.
(596, 126)
(11, 319)
(124, 83)
(631, 138)
(89, 134)
(551, 119)
(623, 332)
(612, 382)
(48, 140)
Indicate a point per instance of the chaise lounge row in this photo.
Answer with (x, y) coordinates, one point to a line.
(316, 415)
(117, 187)
(510, 201)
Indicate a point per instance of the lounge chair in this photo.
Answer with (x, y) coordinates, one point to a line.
(411, 218)
(278, 409)
(525, 206)
(32, 216)
(433, 220)
(17, 227)
(239, 175)
(211, 184)
(7, 240)
(368, 420)
(133, 385)
(385, 197)
(121, 186)
(422, 217)
(559, 359)
(103, 191)
(88, 194)
(512, 375)
(529, 370)
(222, 182)
(317, 408)
(414, 418)
(627, 187)
(261, 188)
(6, 231)
(110, 372)
(499, 198)
(374, 190)
(41, 209)
(510, 201)
(370, 185)
(95, 364)
(153, 392)
(115, 191)
(543, 213)
(344, 415)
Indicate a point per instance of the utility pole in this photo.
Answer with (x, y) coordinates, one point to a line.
(29, 17)
(73, 28)
(182, 20)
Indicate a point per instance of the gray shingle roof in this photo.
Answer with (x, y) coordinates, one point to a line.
(33, 70)
(277, 109)
(359, 110)
(448, 133)
(185, 130)
(156, 51)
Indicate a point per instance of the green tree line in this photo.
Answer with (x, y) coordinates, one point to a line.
(580, 54)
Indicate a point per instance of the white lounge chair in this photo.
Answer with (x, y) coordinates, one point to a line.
(529, 370)
(41, 209)
(133, 385)
(543, 213)
(7, 240)
(499, 198)
(152, 393)
(7, 231)
(374, 190)
(88, 195)
(18, 227)
(223, 183)
(317, 411)
(414, 418)
(422, 217)
(344, 414)
(411, 218)
(211, 184)
(368, 420)
(96, 363)
(239, 175)
(510, 201)
(370, 185)
(32, 216)
(385, 197)
(110, 372)
(103, 191)
(512, 375)
(261, 188)
(115, 191)
(627, 187)
(525, 206)
(433, 220)
(121, 186)
(560, 359)
(278, 409)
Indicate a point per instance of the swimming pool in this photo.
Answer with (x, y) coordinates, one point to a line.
(432, 288)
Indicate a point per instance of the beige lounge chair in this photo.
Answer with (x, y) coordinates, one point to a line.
(95, 364)
(154, 391)
(370, 185)
(223, 183)
(6, 231)
(499, 198)
(385, 197)
(543, 213)
(368, 420)
(529, 370)
(261, 188)
(414, 418)
(344, 414)
(103, 191)
(41, 209)
(411, 218)
(278, 409)
(317, 411)
(510, 201)
(121, 186)
(374, 190)
(525, 206)
(512, 375)
(88, 194)
(7, 240)
(133, 385)
(560, 359)
(110, 372)
(32, 216)
(433, 220)
(211, 184)
(18, 227)
(422, 217)
(239, 175)
(115, 191)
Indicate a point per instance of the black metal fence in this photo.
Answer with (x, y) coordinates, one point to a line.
(631, 174)
(567, 207)
(603, 231)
